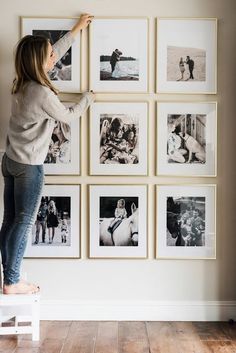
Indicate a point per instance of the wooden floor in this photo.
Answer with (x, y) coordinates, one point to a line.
(125, 337)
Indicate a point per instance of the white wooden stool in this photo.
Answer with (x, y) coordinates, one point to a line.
(22, 308)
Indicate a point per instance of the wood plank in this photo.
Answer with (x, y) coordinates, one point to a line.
(132, 337)
(8, 343)
(81, 337)
(25, 341)
(210, 331)
(107, 337)
(220, 346)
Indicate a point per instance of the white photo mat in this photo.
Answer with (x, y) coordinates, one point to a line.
(196, 34)
(208, 251)
(57, 251)
(209, 168)
(28, 24)
(97, 191)
(73, 166)
(130, 35)
(138, 110)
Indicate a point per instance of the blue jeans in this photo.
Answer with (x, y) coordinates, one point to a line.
(22, 194)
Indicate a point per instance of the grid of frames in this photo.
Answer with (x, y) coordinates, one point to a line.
(109, 180)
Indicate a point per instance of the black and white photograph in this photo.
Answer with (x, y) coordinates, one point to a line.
(118, 66)
(118, 221)
(186, 55)
(52, 226)
(66, 74)
(119, 55)
(186, 64)
(186, 139)
(118, 138)
(185, 221)
(56, 232)
(186, 226)
(62, 69)
(63, 155)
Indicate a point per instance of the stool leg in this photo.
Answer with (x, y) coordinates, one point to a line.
(35, 321)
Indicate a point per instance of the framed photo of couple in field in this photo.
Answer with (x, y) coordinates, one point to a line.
(119, 54)
(118, 221)
(66, 74)
(186, 55)
(63, 155)
(187, 139)
(186, 221)
(118, 138)
(56, 232)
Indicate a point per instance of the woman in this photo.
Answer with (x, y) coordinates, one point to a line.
(181, 68)
(52, 220)
(59, 149)
(35, 108)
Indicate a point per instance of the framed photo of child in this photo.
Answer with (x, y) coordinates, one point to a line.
(118, 221)
(187, 55)
(56, 232)
(187, 139)
(118, 138)
(66, 74)
(119, 54)
(186, 221)
(63, 155)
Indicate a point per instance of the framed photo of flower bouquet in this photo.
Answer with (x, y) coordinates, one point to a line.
(186, 221)
(119, 54)
(56, 232)
(187, 55)
(118, 221)
(66, 74)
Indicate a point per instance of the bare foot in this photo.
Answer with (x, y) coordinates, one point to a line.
(21, 287)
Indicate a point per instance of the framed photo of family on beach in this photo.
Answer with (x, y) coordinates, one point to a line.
(66, 74)
(186, 139)
(186, 221)
(186, 55)
(119, 54)
(118, 221)
(118, 138)
(56, 232)
(63, 155)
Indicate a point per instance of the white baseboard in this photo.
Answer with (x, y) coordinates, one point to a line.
(138, 311)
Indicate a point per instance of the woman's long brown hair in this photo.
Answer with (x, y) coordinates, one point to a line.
(30, 59)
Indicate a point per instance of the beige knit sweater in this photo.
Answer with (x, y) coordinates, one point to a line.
(33, 116)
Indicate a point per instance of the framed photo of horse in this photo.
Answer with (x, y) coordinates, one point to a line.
(56, 232)
(186, 221)
(63, 155)
(187, 139)
(118, 138)
(66, 74)
(119, 54)
(118, 221)
(187, 55)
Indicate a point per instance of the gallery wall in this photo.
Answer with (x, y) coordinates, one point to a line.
(138, 288)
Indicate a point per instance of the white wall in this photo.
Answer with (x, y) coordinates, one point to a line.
(146, 283)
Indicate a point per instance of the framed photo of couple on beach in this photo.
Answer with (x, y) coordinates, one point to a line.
(118, 221)
(186, 221)
(187, 139)
(118, 138)
(63, 155)
(66, 74)
(56, 232)
(187, 55)
(119, 54)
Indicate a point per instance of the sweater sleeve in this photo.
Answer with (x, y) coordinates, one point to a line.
(62, 45)
(56, 110)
